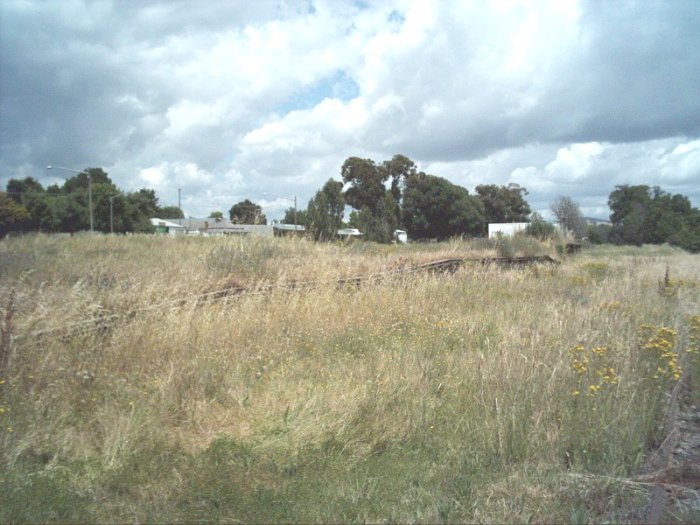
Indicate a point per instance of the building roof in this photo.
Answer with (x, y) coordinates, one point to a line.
(168, 224)
(349, 232)
(289, 227)
(221, 226)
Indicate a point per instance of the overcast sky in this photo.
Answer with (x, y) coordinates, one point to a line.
(229, 100)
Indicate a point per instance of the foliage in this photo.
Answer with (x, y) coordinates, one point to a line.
(366, 181)
(377, 209)
(216, 215)
(138, 207)
(247, 212)
(13, 216)
(19, 189)
(540, 228)
(377, 226)
(641, 214)
(82, 180)
(66, 208)
(295, 216)
(324, 214)
(417, 398)
(569, 215)
(598, 233)
(398, 169)
(170, 212)
(503, 203)
(433, 207)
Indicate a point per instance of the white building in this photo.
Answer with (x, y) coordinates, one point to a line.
(401, 236)
(167, 227)
(506, 229)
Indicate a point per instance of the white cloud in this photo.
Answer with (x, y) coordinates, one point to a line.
(228, 100)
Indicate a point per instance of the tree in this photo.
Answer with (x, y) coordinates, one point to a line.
(378, 225)
(170, 212)
(325, 211)
(433, 207)
(42, 210)
(138, 207)
(398, 169)
(247, 212)
(65, 208)
(217, 216)
(540, 228)
(366, 183)
(13, 216)
(641, 214)
(630, 206)
(569, 215)
(77, 190)
(503, 203)
(598, 233)
(80, 180)
(377, 211)
(18, 189)
(30, 193)
(295, 216)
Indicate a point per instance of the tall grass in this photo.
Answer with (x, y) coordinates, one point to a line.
(479, 396)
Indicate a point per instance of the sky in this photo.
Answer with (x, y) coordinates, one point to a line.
(228, 100)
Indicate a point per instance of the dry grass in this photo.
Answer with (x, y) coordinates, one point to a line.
(418, 398)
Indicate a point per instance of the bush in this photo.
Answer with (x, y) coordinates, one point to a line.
(539, 228)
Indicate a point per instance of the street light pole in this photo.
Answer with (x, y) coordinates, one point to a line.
(111, 214)
(92, 222)
(288, 199)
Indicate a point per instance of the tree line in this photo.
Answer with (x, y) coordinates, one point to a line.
(28, 206)
(383, 197)
(394, 195)
(649, 215)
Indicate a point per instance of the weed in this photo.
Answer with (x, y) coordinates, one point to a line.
(420, 398)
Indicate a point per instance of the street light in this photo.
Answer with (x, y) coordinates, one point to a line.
(111, 215)
(49, 167)
(288, 199)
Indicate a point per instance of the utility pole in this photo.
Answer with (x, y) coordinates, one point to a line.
(92, 229)
(111, 215)
(295, 214)
(179, 205)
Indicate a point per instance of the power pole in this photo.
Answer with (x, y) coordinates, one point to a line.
(111, 214)
(179, 205)
(92, 221)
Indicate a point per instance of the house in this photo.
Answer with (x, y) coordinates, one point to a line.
(167, 227)
(229, 228)
(283, 230)
(506, 229)
(592, 221)
(222, 227)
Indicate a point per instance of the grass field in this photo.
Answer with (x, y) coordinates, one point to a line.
(490, 395)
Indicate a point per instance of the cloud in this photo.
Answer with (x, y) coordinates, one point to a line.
(227, 100)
